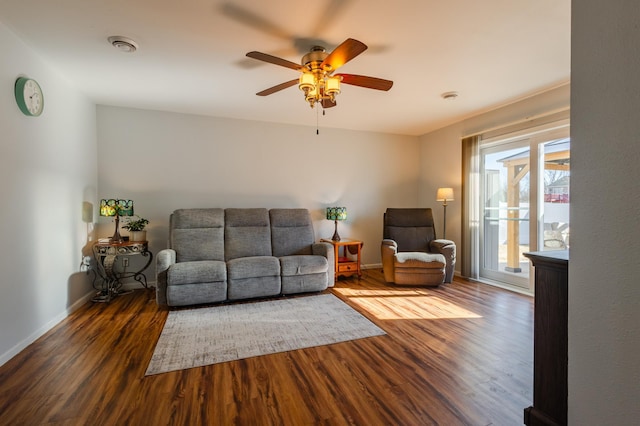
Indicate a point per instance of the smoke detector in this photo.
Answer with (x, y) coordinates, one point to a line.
(449, 96)
(124, 44)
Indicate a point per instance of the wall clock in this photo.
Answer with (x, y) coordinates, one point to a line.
(29, 96)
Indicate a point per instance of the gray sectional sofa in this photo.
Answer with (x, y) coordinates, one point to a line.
(218, 255)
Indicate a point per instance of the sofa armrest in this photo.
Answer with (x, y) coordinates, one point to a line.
(388, 250)
(326, 250)
(448, 249)
(164, 260)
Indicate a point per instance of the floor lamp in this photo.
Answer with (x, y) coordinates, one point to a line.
(444, 194)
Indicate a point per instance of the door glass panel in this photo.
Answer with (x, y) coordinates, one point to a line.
(555, 213)
(505, 226)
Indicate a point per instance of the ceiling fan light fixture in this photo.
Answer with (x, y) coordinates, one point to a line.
(312, 96)
(332, 86)
(306, 82)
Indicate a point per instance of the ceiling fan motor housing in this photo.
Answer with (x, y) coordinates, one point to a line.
(313, 59)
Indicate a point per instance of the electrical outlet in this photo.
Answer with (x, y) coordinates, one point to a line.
(125, 262)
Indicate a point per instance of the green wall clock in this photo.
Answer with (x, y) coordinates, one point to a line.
(29, 96)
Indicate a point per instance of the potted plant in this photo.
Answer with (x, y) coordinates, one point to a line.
(136, 228)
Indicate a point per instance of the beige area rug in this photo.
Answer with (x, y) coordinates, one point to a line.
(204, 336)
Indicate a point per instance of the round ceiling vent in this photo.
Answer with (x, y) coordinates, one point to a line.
(123, 44)
(449, 96)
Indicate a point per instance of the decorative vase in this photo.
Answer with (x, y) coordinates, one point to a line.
(137, 235)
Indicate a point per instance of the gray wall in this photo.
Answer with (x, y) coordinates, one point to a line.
(604, 293)
(164, 161)
(47, 171)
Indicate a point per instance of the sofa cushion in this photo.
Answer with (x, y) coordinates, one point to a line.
(203, 271)
(304, 283)
(419, 260)
(198, 244)
(411, 229)
(250, 288)
(251, 277)
(419, 276)
(291, 232)
(197, 234)
(303, 265)
(197, 218)
(196, 294)
(251, 267)
(247, 233)
(411, 238)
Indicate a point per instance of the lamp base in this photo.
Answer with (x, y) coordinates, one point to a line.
(336, 237)
(117, 238)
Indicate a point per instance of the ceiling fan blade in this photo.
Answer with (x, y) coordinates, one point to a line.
(273, 60)
(328, 103)
(277, 88)
(331, 12)
(349, 49)
(254, 21)
(368, 82)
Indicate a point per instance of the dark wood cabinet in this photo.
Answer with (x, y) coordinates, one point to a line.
(550, 339)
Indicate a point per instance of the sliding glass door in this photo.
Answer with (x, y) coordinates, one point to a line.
(524, 203)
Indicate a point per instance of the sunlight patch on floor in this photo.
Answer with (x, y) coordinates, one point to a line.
(405, 304)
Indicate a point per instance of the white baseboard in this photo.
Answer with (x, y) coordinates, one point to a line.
(371, 266)
(46, 327)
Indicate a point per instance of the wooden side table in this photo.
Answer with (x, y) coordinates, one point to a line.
(344, 265)
(106, 272)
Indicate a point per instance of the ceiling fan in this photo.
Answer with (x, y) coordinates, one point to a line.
(317, 80)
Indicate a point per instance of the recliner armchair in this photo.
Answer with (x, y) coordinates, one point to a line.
(411, 254)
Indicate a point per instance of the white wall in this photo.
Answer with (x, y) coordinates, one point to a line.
(604, 292)
(165, 161)
(441, 152)
(47, 171)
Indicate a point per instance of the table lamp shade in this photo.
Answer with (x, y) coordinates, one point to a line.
(113, 207)
(116, 208)
(336, 213)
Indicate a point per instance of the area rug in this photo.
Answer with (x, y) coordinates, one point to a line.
(203, 336)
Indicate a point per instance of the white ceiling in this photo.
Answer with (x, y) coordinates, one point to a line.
(191, 55)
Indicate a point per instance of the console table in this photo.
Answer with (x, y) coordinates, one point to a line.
(550, 337)
(345, 266)
(109, 273)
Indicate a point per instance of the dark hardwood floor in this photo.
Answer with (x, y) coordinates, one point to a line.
(460, 354)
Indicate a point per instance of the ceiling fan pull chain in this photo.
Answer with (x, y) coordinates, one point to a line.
(318, 121)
